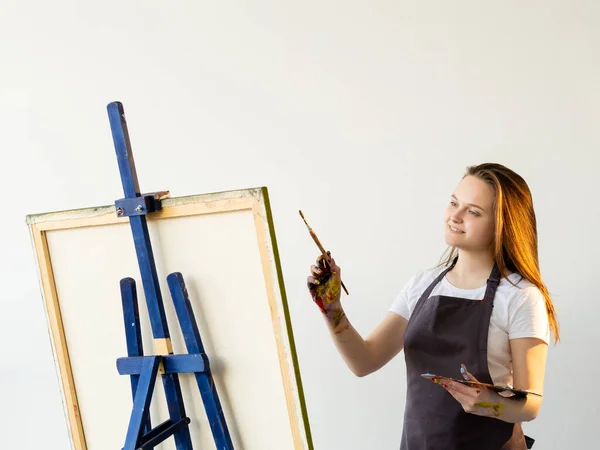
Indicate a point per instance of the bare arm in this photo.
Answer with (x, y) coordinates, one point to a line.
(365, 356)
(362, 356)
(529, 364)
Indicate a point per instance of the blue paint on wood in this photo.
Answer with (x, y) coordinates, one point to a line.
(147, 265)
(185, 313)
(145, 256)
(139, 226)
(137, 206)
(183, 440)
(118, 126)
(172, 364)
(141, 403)
(133, 332)
(155, 432)
(193, 342)
(131, 317)
(143, 370)
(162, 432)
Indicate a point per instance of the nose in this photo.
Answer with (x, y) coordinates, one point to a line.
(456, 216)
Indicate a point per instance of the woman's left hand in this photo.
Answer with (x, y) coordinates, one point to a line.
(477, 400)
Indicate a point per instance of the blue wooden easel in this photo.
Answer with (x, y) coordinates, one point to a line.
(144, 370)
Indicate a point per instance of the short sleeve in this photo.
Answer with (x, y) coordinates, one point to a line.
(400, 305)
(528, 316)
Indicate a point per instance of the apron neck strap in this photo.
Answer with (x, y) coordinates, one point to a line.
(492, 282)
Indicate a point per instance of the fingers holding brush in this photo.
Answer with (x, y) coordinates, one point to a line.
(323, 260)
(324, 283)
(320, 272)
(325, 257)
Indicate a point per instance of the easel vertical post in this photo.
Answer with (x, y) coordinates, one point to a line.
(143, 246)
(139, 225)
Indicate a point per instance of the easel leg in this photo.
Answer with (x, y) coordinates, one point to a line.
(171, 386)
(133, 331)
(193, 342)
(183, 440)
(141, 403)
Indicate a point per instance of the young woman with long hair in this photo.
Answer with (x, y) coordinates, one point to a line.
(484, 314)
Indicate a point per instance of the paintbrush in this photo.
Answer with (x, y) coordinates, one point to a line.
(316, 239)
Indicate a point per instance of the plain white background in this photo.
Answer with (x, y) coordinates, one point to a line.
(362, 114)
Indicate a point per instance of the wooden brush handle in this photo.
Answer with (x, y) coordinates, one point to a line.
(326, 256)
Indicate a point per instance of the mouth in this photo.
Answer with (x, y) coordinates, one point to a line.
(455, 230)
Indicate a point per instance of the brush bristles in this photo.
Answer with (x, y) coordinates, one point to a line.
(306, 223)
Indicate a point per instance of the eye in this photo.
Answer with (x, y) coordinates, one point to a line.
(453, 203)
(474, 213)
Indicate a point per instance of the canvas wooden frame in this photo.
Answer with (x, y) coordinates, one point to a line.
(257, 201)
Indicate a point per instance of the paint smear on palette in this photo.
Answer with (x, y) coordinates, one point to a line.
(439, 379)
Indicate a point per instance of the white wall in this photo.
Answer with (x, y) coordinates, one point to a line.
(362, 114)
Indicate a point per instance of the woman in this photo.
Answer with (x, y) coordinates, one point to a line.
(484, 314)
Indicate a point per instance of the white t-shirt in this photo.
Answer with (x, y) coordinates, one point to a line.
(518, 312)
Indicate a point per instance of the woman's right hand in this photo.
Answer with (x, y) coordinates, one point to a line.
(324, 285)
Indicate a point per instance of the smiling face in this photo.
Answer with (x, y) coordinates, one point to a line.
(470, 217)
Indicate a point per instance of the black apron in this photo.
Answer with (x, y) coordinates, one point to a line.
(444, 332)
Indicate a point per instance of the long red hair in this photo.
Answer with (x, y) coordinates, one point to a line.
(516, 237)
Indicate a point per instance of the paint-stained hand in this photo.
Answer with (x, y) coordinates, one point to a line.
(324, 285)
(477, 400)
